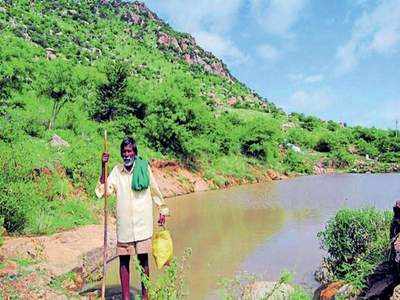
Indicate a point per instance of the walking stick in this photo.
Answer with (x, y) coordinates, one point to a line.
(103, 284)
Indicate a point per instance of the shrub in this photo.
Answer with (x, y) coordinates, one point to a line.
(365, 148)
(1, 231)
(341, 158)
(260, 139)
(355, 241)
(171, 283)
(298, 162)
(390, 157)
(60, 84)
(301, 137)
(329, 141)
(110, 101)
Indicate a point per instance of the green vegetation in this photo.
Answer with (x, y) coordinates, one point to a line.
(75, 68)
(171, 284)
(1, 231)
(241, 287)
(60, 283)
(356, 241)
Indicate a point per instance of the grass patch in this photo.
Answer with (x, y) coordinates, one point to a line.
(58, 283)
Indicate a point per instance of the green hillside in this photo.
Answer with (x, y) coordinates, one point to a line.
(75, 68)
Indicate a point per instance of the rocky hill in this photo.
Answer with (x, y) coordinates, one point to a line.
(71, 69)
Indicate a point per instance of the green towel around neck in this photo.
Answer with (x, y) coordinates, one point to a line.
(140, 176)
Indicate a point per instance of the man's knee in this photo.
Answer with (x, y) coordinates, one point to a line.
(143, 259)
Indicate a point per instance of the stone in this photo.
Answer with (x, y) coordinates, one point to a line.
(57, 141)
(50, 54)
(163, 39)
(183, 46)
(232, 101)
(324, 273)
(175, 44)
(188, 59)
(396, 293)
(267, 290)
(346, 291)
(273, 174)
(133, 18)
(287, 126)
(331, 290)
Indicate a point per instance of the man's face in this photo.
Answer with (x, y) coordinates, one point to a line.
(128, 155)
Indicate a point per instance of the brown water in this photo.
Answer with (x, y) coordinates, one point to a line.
(264, 228)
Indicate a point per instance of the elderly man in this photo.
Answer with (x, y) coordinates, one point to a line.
(134, 186)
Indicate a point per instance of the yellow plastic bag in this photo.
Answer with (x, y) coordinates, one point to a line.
(162, 248)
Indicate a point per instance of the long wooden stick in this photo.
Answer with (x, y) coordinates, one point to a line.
(103, 284)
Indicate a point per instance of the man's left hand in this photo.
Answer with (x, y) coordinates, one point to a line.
(161, 220)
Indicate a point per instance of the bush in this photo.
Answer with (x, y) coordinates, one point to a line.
(341, 158)
(356, 241)
(301, 137)
(297, 162)
(110, 101)
(171, 283)
(365, 148)
(260, 139)
(390, 157)
(330, 141)
(1, 231)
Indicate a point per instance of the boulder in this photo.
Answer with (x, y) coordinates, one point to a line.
(347, 291)
(324, 273)
(50, 54)
(396, 293)
(273, 174)
(232, 101)
(164, 39)
(268, 290)
(328, 291)
(57, 141)
(133, 18)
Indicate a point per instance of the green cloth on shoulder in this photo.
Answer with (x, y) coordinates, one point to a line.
(140, 176)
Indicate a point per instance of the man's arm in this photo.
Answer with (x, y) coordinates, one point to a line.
(110, 180)
(158, 198)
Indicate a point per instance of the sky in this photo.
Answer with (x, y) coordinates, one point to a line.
(338, 60)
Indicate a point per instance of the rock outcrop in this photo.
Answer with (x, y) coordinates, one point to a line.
(268, 290)
(181, 45)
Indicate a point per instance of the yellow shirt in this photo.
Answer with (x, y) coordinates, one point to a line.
(134, 208)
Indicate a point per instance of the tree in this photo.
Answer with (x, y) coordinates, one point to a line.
(60, 84)
(111, 101)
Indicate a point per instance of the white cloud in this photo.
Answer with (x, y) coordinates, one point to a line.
(268, 52)
(384, 114)
(208, 21)
(309, 102)
(387, 113)
(306, 79)
(296, 77)
(376, 31)
(314, 78)
(276, 16)
(199, 15)
(221, 47)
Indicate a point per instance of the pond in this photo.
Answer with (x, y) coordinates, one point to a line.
(264, 228)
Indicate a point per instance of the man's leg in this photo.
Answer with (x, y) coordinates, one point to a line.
(144, 263)
(124, 276)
